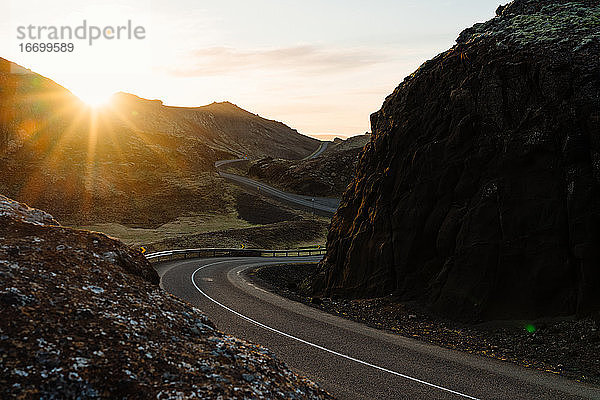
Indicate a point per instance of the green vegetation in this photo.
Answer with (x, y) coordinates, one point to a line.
(555, 22)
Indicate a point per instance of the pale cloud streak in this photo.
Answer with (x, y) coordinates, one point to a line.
(302, 59)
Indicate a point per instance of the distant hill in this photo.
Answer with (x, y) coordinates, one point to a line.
(329, 136)
(136, 161)
(222, 126)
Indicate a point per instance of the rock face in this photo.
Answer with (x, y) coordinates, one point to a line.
(82, 316)
(23, 213)
(479, 194)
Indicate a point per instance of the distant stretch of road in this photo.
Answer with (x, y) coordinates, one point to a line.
(321, 205)
(351, 360)
(317, 152)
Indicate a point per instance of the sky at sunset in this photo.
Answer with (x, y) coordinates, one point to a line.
(320, 66)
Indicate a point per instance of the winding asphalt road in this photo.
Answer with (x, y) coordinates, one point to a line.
(322, 147)
(321, 205)
(350, 360)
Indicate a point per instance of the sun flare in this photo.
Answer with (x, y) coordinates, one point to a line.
(93, 98)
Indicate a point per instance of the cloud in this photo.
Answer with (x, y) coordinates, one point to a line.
(299, 59)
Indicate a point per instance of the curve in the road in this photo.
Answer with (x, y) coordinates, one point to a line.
(316, 345)
(349, 359)
(325, 205)
(322, 205)
(220, 163)
(317, 152)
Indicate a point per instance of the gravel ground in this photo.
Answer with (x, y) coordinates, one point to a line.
(567, 346)
(82, 316)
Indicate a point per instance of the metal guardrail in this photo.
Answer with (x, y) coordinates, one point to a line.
(169, 255)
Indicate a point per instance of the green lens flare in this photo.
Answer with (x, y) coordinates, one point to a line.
(530, 328)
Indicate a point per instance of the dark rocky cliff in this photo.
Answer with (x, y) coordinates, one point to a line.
(479, 192)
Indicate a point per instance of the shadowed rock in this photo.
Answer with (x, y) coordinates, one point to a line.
(479, 192)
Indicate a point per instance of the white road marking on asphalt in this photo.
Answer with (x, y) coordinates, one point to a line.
(321, 347)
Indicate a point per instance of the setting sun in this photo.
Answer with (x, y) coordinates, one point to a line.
(93, 98)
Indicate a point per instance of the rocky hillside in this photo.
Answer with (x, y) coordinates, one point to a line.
(479, 193)
(135, 162)
(222, 126)
(82, 317)
(325, 176)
